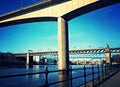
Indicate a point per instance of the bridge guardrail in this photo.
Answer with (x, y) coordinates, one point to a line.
(103, 72)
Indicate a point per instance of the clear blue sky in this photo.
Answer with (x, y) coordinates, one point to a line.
(91, 30)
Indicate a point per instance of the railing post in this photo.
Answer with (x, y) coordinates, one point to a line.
(105, 71)
(70, 75)
(111, 67)
(108, 68)
(98, 74)
(84, 76)
(46, 76)
(102, 72)
(93, 75)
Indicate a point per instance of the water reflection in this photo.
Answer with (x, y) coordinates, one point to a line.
(64, 76)
(29, 66)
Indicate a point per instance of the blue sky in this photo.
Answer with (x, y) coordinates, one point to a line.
(10, 5)
(91, 30)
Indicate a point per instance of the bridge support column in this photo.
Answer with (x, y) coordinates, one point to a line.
(63, 44)
(27, 58)
(108, 58)
(108, 55)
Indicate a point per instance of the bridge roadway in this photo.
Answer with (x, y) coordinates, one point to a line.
(73, 52)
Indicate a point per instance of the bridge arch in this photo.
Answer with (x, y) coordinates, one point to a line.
(88, 8)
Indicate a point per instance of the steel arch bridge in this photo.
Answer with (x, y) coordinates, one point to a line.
(73, 52)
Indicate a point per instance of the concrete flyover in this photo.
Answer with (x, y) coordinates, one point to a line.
(55, 10)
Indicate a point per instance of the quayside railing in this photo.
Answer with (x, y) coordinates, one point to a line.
(98, 73)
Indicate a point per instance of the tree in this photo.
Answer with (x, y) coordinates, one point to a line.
(7, 57)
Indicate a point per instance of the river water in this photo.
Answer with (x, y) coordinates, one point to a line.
(39, 79)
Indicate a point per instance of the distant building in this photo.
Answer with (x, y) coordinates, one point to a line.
(36, 59)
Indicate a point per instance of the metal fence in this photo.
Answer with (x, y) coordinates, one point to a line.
(99, 73)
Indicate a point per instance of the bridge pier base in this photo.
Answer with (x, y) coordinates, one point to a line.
(63, 44)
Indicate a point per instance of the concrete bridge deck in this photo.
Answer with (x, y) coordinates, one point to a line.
(113, 81)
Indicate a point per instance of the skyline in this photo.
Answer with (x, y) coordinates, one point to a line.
(92, 30)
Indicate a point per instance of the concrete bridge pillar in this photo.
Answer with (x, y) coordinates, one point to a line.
(29, 59)
(63, 44)
(108, 54)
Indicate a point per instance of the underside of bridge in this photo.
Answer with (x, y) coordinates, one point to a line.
(53, 10)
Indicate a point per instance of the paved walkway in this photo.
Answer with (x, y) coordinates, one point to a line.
(113, 81)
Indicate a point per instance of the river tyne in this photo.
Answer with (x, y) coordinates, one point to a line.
(39, 79)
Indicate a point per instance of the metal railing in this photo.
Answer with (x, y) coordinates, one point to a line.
(99, 73)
